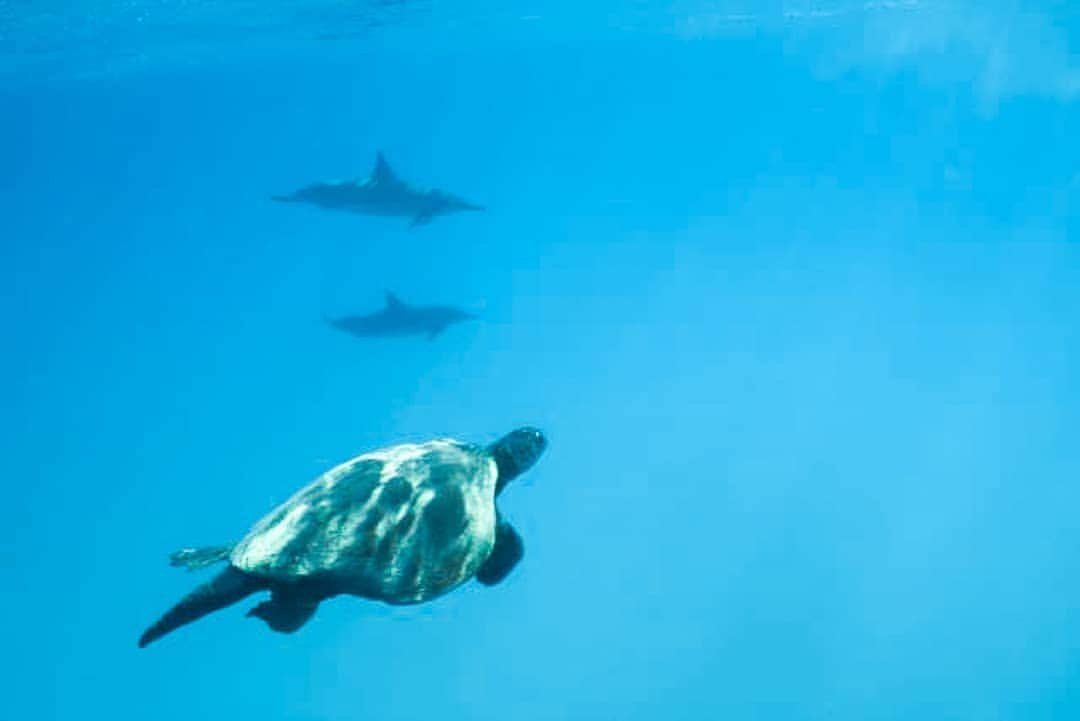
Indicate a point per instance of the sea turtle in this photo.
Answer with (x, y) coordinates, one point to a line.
(402, 525)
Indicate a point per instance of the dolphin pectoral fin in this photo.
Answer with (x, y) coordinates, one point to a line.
(285, 613)
(505, 554)
(434, 333)
(421, 219)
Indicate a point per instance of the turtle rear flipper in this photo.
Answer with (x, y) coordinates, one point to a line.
(285, 613)
(225, 589)
(195, 558)
(507, 551)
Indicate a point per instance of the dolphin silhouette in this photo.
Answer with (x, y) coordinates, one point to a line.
(384, 193)
(399, 319)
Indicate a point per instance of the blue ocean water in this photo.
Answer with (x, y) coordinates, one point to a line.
(792, 287)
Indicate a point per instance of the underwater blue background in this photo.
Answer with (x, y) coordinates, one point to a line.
(793, 289)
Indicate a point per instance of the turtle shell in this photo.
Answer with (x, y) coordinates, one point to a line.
(402, 525)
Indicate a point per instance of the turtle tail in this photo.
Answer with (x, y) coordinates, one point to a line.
(225, 589)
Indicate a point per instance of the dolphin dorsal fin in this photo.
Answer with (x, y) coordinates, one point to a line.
(382, 172)
(393, 302)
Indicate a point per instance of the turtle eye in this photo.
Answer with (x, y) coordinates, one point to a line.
(536, 441)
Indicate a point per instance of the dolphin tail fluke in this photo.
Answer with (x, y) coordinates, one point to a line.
(225, 589)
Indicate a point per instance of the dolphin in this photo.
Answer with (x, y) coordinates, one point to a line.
(398, 319)
(384, 193)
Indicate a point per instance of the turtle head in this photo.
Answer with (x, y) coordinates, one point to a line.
(515, 453)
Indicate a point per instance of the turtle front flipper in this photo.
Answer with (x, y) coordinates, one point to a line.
(225, 589)
(505, 554)
(285, 613)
